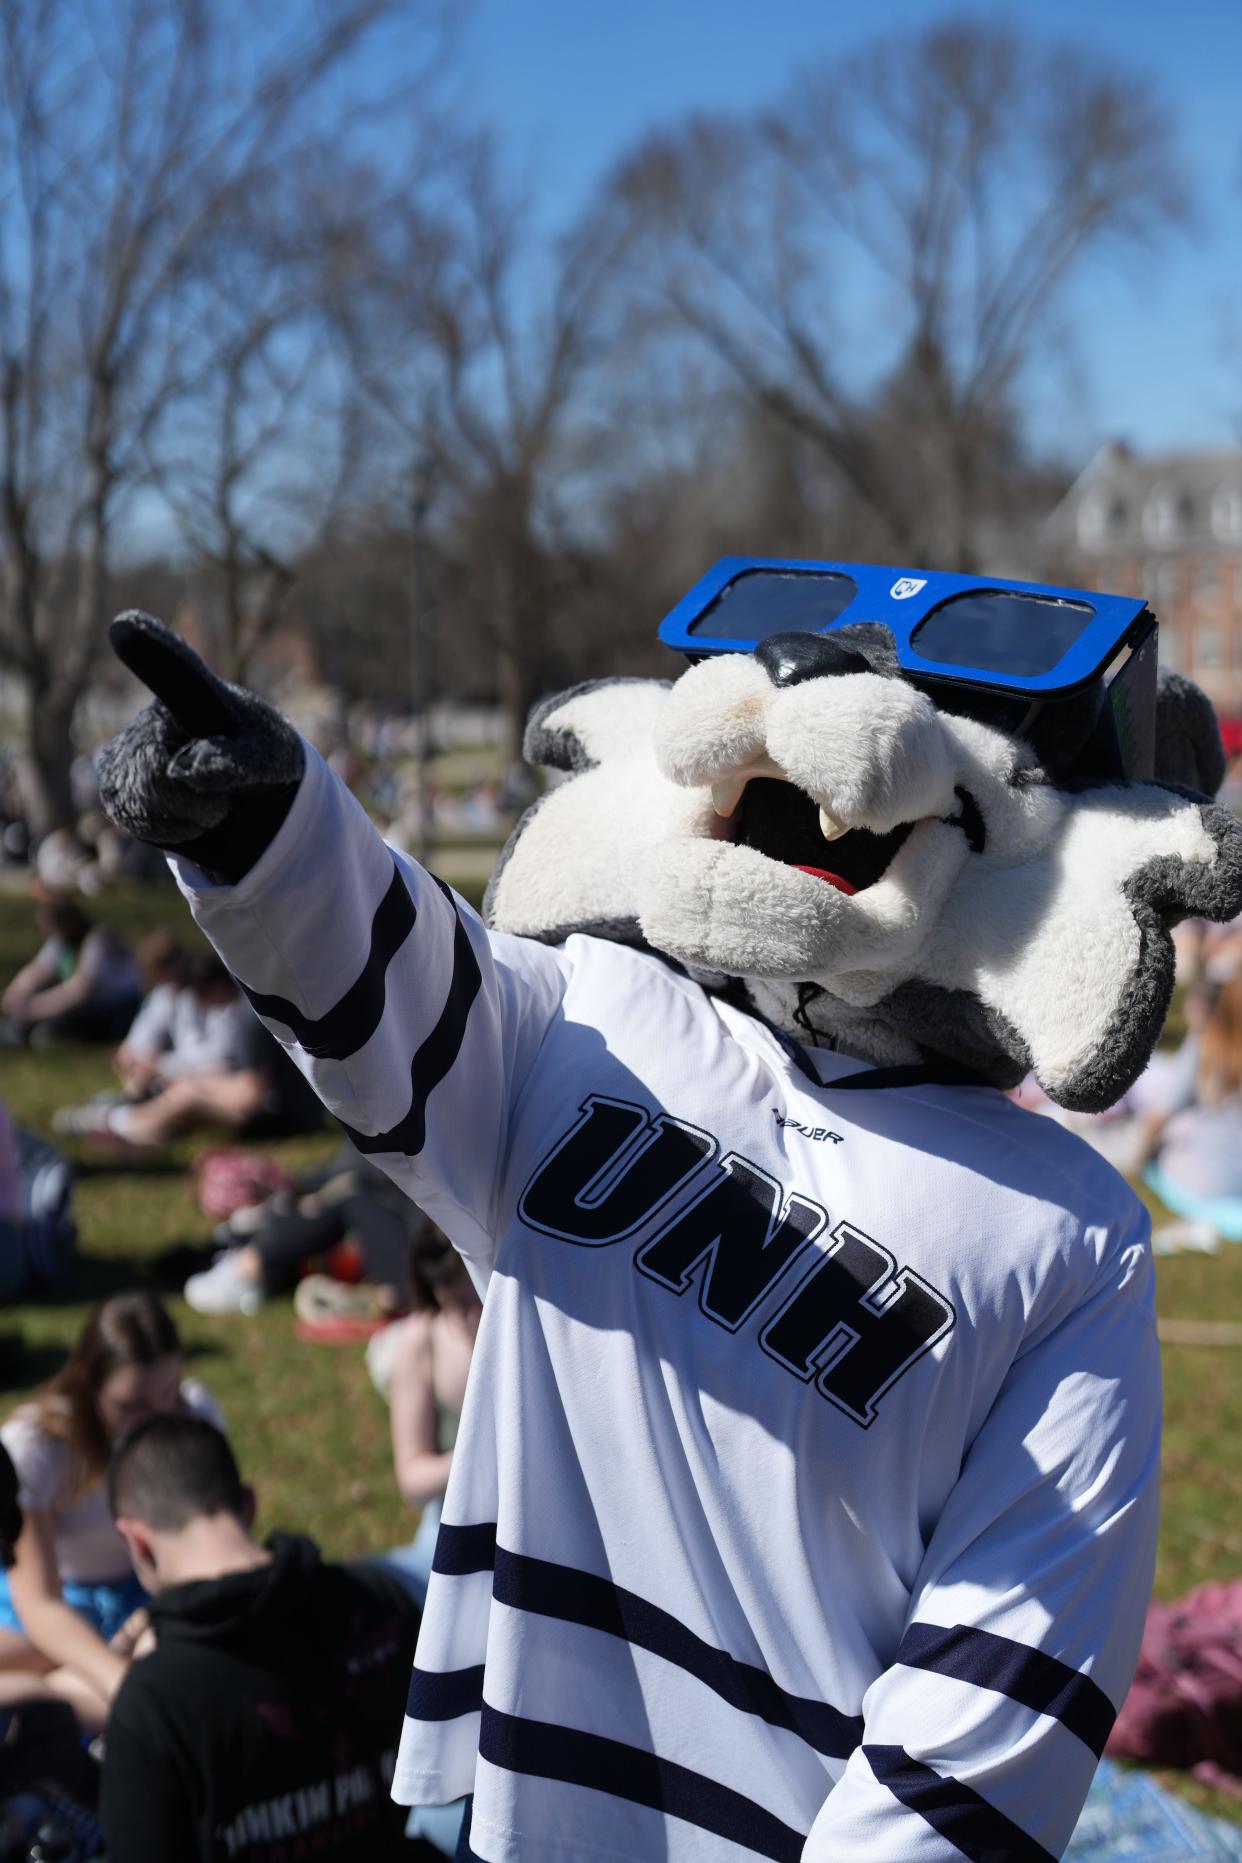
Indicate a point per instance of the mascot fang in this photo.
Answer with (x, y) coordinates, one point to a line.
(804, 1501)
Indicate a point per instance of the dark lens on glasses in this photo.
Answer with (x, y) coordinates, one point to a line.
(763, 602)
(1001, 631)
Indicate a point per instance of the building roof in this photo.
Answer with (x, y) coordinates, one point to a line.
(1127, 503)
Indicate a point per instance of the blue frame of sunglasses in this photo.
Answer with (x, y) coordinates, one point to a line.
(1030, 639)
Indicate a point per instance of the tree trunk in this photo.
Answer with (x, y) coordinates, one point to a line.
(45, 763)
(519, 688)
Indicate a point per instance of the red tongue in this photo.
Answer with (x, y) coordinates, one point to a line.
(833, 879)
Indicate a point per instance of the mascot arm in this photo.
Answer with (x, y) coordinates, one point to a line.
(415, 1026)
(983, 1736)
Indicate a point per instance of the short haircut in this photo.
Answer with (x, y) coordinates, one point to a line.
(169, 1470)
(204, 970)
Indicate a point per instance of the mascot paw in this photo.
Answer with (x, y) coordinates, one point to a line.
(208, 771)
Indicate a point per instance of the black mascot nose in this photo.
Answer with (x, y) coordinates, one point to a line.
(788, 659)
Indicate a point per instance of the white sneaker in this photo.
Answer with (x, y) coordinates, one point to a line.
(89, 1121)
(222, 1288)
(1181, 1237)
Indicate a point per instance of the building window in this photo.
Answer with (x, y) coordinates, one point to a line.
(1160, 583)
(1171, 648)
(1227, 513)
(1209, 649)
(1168, 515)
(1101, 517)
(1207, 583)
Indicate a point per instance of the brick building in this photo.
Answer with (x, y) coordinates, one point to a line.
(1167, 527)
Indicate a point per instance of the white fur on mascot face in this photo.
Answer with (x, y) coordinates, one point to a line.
(872, 870)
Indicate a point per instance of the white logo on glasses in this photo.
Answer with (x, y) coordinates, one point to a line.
(906, 586)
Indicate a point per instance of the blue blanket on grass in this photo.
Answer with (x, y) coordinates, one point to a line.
(1128, 1818)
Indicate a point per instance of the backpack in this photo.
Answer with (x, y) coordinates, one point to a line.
(1185, 1705)
(230, 1179)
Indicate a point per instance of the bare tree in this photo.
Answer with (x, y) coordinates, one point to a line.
(880, 259)
(474, 342)
(133, 135)
(258, 462)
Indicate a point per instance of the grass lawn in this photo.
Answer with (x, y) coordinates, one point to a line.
(312, 1434)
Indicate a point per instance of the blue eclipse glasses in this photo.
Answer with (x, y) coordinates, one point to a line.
(1072, 669)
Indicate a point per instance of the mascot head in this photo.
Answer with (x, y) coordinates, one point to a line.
(916, 816)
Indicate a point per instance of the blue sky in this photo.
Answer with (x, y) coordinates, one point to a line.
(570, 83)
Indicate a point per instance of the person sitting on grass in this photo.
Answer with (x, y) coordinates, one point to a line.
(266, 1718)
(229, 1074)
(81, 984)
(192, 1021)
(1190, 1137)
(142, 1060)
(65, 1603)
(421, 1365)
(49, 1782)
(266, 1244)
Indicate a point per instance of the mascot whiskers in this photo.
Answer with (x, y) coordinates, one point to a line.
(804, 1504)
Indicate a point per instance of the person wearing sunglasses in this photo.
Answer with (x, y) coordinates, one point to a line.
(804, 1499)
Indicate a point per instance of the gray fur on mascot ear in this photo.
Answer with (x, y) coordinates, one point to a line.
(1019, 925)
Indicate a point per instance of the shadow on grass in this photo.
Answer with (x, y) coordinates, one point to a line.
(23, 1364)
(124, 1165)
(98, 1277)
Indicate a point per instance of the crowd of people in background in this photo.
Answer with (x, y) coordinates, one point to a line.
(93, 855)
(137, 1606)
(138, 1612)
(186, 1647)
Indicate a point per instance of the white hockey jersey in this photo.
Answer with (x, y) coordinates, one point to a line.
(804, 1502)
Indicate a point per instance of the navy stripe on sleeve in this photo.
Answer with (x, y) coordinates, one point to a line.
(351, 1022)
(546, 1751)
(575, 1597)
(965, 1820)
(1029, 1676)
(463, 1550)
(444, 1694)
(437, 1054)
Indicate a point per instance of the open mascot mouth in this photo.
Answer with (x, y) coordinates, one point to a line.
(780, 820)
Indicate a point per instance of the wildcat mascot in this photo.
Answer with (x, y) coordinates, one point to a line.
(804, 1504)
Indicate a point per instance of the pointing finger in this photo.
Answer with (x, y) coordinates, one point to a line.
(198, 700)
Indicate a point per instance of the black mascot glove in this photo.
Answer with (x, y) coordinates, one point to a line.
(208, 771)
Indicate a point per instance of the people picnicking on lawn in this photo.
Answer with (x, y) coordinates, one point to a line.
(82, 983)
(195, 1058)
(68, 1598)
(265, 1245)
(139, 1607)
(241, 1733)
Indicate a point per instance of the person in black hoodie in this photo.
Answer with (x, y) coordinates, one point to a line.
(263, 1725)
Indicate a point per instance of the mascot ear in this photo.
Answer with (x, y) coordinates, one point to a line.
(1070, 953)
(573, 862)
(1188, 747)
